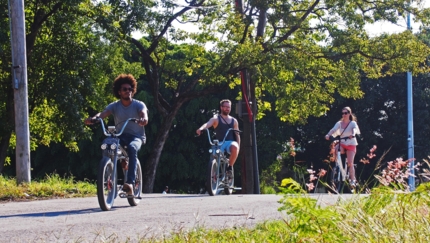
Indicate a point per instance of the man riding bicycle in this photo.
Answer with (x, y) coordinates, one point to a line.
(124, 87)
(221, 123)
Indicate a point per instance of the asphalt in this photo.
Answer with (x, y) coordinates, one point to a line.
(156, 216)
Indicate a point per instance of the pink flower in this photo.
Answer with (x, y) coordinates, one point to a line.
(311, 171)
(322, 173)
(310, 186)
(312, 177)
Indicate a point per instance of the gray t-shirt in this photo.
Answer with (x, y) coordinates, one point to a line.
(121, 113)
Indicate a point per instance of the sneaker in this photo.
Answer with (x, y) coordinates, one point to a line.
(353, 183)
(128, 188)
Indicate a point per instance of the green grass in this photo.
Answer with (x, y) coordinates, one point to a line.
(52, 186)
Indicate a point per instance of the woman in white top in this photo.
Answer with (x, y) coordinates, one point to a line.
(347, 127)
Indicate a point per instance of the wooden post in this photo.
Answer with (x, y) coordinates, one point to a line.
(19, 84)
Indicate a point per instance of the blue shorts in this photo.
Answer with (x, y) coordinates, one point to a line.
(225, 147)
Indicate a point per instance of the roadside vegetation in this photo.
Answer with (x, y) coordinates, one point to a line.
(388, 212)
(52, 186)
(383, 216)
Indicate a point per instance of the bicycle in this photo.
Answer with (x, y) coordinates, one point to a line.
(217, 181)
(340, 170)
(114, 153)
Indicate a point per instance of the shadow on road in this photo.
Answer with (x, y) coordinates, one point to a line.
(61, 213)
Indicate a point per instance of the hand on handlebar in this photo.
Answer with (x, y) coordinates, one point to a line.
(198, 131)
(90, 120)
(331, 138)
(142, 122)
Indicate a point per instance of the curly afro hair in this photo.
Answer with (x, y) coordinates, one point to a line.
(124, 79)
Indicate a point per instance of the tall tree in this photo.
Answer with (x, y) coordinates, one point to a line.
(69, 67)
(310, 51)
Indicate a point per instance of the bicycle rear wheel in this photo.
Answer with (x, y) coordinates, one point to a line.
(105, 184)
(230, 182)
(137, 189)
(213, 179)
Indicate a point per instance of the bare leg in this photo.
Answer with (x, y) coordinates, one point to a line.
(234, 152)
(350, 158)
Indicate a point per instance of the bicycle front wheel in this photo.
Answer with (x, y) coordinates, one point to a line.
(137, 186)
(105, 184)
(213, 179)
(336, 179)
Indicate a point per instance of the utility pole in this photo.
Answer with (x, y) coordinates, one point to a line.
(411, 155)
(19, 84)
(248, 108)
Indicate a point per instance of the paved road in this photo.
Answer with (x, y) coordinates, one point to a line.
(157, 215)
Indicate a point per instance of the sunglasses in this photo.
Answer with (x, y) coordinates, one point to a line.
(127, 89)
(345, 113)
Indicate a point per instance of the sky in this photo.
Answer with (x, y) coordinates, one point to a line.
(386, 27)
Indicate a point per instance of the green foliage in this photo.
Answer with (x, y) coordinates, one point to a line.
(311, 221)
(285, 166)
(307, 63)
(268, 178)
(290, 186)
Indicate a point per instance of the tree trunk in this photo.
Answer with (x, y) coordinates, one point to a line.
(4, 144)
(150, 165)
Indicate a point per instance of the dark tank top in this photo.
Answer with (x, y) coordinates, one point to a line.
(222, 128)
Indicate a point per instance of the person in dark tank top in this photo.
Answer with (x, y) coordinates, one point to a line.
(221, 123)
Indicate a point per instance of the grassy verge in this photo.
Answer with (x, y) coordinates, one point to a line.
(52, 186)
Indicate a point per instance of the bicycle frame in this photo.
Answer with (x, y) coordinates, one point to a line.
(107, 181)
(342, 168)
(214, 180)
(111, 146)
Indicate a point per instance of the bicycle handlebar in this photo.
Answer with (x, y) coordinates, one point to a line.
(225, 136)
(109, 134)
(331, 138)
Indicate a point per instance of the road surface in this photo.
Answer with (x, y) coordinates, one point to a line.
(157, 215)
